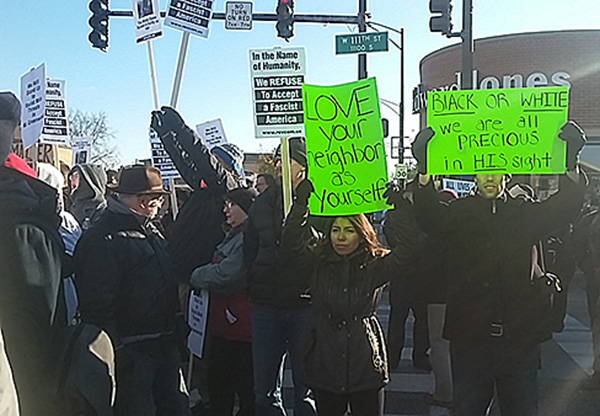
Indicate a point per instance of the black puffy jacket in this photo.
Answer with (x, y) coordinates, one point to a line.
(275, 278)
(197, 230)
(489, 261)
(125, 283)
(31, 257)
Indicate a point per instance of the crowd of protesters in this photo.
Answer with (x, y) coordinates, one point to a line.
(91, 258)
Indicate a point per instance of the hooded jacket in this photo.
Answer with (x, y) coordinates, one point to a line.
(125, 283)
(489, 261)
(31, 253)
(88, 201)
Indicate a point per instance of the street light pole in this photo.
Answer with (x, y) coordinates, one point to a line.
(401, 104)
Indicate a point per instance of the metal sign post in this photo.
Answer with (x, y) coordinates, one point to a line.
(286, 180)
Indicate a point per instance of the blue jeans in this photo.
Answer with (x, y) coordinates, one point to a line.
(513, 371)
(277, 331)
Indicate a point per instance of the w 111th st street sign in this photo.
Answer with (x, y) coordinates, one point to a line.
(361, 43)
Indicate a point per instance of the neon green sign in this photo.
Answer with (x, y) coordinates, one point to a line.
(344, 148)
(513, 130)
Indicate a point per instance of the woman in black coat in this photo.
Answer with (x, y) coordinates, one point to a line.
(344, 359)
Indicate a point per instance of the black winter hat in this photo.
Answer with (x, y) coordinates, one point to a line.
(243, 197)
(10, 107)
(297, 147)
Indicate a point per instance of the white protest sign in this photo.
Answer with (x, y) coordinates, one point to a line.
(82, 150)
(277, 76)
(33, 103)
(146, 20)
(462, 188)
(197, 319)
(161, 159)
(211, 133)
(191, 16)
(238, 15)
(56, 123)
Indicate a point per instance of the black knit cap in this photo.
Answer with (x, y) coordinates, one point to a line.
(297, 147)
(10, 107)
(243, 197)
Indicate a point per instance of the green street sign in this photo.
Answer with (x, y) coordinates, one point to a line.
(361, 43)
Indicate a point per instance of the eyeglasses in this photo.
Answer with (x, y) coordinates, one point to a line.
(154, 201)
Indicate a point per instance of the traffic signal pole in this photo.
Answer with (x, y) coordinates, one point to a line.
(362, 28)
(467, 45)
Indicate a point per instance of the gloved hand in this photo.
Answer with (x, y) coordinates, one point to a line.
(166, 119)
(419, 148)
(393, 194)
(303, 191)
(575, 138)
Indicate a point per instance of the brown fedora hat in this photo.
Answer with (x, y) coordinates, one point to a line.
(140, 179)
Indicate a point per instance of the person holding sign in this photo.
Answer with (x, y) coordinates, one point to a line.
(496, 316)
(344, 356)
(280, 306)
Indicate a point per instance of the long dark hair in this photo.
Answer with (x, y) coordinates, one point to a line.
(364, 229)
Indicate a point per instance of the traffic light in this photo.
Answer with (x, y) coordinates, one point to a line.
(98, 37)
(285, 19)
(441, 21)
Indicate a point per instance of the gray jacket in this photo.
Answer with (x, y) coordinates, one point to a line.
(227, 274)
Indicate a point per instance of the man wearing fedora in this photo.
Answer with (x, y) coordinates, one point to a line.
(127, 287)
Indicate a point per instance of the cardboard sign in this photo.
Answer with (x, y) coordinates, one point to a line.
(277, 76)
(161, 159)
(197, 319)
(344, 148)
(56, 122)
(211, 133)
(238, 15)
(82, 150)
(33, 104)
(511, 130)
(146, 20)
(462, 188)
(191, 16)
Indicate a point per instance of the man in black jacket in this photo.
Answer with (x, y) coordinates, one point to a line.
(31, 254)
(127, 287)
(496, 315)
(280, 306)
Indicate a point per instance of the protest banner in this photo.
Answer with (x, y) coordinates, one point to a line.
(161, 159)
(191, 16)
(344, 147)
(211, 133)
(55, 129)
(33, 104)
(461, 188)
(82, 150)
(513, 130)
(146, 20)
(277, 76)
(197, 319)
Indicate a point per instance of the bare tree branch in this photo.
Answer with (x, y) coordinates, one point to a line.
(95, 125)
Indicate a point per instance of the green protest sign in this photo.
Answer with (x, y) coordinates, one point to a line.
(513, 130)
(344, 148)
